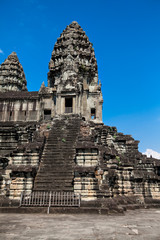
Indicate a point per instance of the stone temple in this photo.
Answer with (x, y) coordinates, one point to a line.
(54, 140)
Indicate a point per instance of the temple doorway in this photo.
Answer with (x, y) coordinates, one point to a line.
(68, 105)
(47, 114)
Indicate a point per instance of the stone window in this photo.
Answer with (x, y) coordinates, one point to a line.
(47, 114)
(54, 99)
(11, 116)
(22, 115)
(93, 113)
(68, 105)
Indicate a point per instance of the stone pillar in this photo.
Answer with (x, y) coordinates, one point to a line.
(58, 105)
(99, 111)
(62, 104)
(5, 112)
(74, 104)
(84, 103)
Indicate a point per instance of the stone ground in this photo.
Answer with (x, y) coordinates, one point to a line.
(138, 224)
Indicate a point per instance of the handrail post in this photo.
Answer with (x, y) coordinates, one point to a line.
(49, 202)
(79, 200)
(21, 199)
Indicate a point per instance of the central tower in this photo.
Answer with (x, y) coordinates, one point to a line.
(73, 75)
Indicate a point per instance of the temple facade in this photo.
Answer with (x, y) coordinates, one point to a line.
(54, 139)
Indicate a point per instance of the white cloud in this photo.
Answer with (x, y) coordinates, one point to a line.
(150, 152)
(1, 52)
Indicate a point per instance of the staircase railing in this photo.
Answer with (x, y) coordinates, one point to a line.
(49, 199)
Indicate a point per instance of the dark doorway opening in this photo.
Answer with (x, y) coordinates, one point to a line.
(93, 113)
(158, 171)
(10, 116)
(68, 105)
(47, 114)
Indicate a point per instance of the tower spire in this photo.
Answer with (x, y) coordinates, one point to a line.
(12, 77)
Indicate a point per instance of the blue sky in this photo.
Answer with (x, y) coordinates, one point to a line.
(126, 38)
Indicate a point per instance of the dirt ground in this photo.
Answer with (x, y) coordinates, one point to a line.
(137, 224)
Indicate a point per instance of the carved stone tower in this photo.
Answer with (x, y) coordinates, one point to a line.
(73, 75)
(12, 77)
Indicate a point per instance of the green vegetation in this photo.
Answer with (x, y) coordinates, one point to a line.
(115, 136)
(118, 160)
(110, 129)
(63, 140)
(75, 48)
(82, 68)
(20, 79)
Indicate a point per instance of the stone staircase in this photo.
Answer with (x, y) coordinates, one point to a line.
(56, 171)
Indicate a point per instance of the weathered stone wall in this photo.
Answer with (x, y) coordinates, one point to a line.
(106, 163)
(119, 169)
(26, 106)
(21, 172)
(12, 135)
(18, 168)
(19, 110)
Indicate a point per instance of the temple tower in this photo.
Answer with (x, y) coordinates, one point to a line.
(12, 77)
(73, 75)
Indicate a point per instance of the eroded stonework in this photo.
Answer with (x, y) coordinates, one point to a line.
(54, 139)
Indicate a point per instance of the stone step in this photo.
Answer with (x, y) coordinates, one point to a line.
(69, 151)
(54, 189)
(57, 158)
(55, 172)
(55, 153)
(52, 166)
(57, 180)
(57, 161)
(53, 181)
(60, 137)
(53, 176)
(60, 146)
(54, 185)
(56, 166)
(59, 183)
(50, 153)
